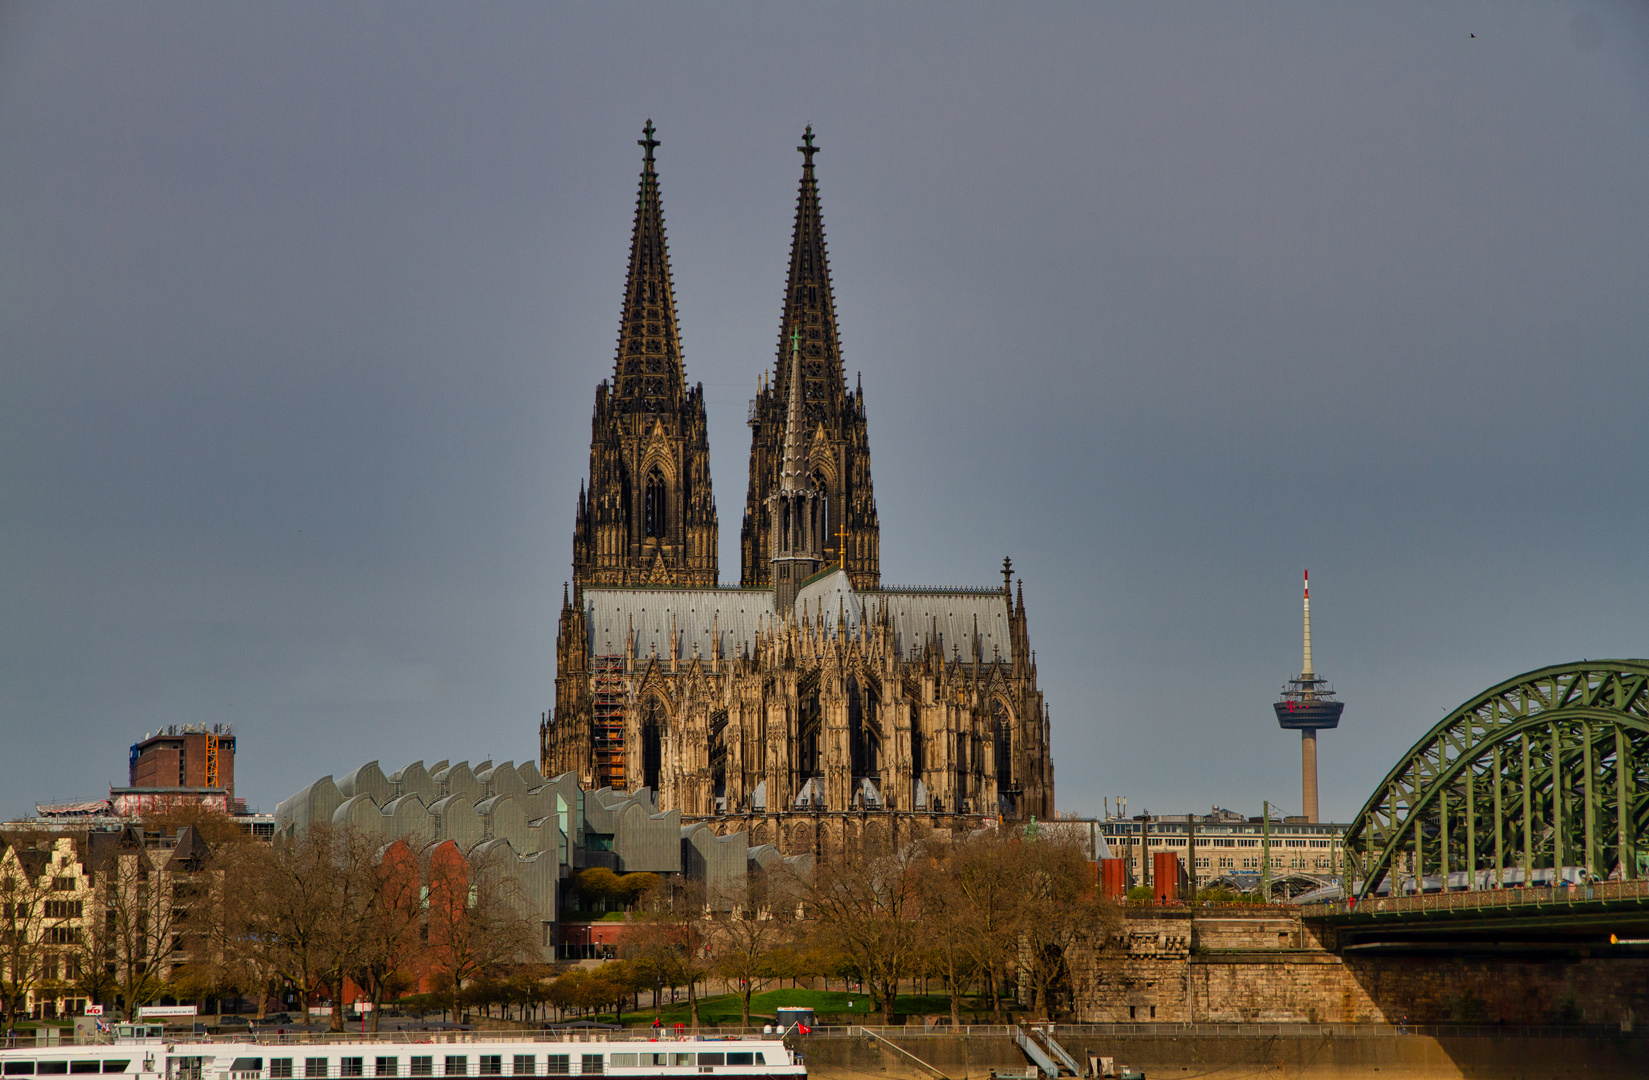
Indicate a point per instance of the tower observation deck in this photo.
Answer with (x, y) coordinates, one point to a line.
(1308, 705)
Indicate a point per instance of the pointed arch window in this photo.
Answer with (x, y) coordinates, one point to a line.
(863, 744)
(652, 742)
(809, 763)
(822, 515)
(1002, 724)
(656, 502)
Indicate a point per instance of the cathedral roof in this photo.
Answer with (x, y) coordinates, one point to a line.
(695, 614)
(829, 592)
(921, 618)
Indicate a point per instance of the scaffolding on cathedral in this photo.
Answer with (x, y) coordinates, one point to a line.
(609, 722)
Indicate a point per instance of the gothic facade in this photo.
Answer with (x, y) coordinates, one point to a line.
(807, 705)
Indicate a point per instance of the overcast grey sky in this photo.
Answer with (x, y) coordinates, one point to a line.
(302, 310)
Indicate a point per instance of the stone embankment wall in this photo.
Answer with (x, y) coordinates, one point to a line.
(1378, 1055)
(1263, 965)
(859, 1056)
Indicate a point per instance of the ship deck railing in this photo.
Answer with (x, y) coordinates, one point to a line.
(431, 1038)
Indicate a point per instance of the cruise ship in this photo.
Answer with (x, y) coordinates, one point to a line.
(149, 1052)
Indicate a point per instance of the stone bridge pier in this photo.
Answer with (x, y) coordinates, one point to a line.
(1254, 964)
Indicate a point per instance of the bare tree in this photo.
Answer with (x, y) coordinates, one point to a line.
(91, 965)
(742, 938)
(1061, 909)
(23, 894)
(868, 903)
(382, 916)
(147, 899)
(669, 940)
(474, 919)
(232, 946)
(981, 906)
(291, 925)
(655, 946)
(212, 909)
(949, 926)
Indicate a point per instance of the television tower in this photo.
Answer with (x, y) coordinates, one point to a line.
(1308, 705)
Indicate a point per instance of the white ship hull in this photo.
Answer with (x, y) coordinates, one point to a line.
(149, 1055)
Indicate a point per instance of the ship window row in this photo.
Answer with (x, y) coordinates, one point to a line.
(321, 1068)
(316, 1068)
(63, 1067)
(651, 1061)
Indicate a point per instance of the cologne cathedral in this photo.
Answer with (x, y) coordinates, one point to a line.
(808, 705)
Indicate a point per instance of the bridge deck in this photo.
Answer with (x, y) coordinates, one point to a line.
(1579, 912)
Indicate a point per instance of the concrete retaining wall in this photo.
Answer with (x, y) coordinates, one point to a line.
(960, 1057)
(1382, 1056)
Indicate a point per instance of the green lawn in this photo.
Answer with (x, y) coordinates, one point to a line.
(827, 1005)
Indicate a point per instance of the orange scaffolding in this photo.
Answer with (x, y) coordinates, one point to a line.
(211, 759)
(607, 723)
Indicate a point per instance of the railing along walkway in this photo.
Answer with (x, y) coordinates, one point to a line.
(1072, 1033)
(1540, 896)
(1035, 1052)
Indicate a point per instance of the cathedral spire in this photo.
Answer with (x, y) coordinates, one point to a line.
(791, 473)
(831, 429)
(808, 301)
(649, 516)
(647, 374)
(796, 509)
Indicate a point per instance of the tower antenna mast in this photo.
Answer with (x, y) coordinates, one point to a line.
(1308, 705)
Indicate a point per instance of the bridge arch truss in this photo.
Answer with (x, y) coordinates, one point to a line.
(1546, 770)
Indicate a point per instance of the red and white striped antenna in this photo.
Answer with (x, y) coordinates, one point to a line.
(1305, 671)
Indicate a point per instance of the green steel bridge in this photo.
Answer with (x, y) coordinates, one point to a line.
(1524, 812)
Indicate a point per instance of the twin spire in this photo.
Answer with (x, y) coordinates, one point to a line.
(652, 503)
(809, 304)
(648, 370)
(647, 375)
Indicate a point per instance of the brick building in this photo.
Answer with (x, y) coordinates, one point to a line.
(186, 756)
